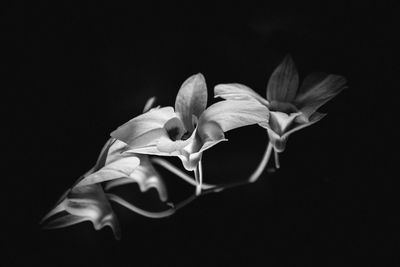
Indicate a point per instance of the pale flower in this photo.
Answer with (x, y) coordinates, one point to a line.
(191, 128)
(84, 203)
(291, 108)
(86, 200)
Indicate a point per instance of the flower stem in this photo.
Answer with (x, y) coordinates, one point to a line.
(170, 167)
(207, 189)
(253, 177)
(198, 174)
(256, 174)
(277, 164)
(151, 214)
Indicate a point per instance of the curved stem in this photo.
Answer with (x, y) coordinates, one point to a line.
(151, 214)
(263, 163)
(253, 177)
(199, 186)
(170, 167)
(277, 164)
(198, 174)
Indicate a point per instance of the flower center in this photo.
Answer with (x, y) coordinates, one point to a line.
(174, 133)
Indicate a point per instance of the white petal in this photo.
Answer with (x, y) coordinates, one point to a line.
(316, 116)
(117, 169)
(146, 176)
(86, 203)
(317, 90)
(284, 81)
(277, 141)
(237, 91)
(191, 99)
(64, 221)
(91, 202)
(154, 119)
(231, 114)
(280, 121)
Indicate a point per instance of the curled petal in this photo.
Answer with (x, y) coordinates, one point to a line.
(191, 160)
(317, 90)
(284, 81)
(191, 100)
(64, 221)
(151, 120)
(117, 169)
(231, 114)
(277, 141)
(236, 91)
(145, 176)
(315, 117)
(279, 122)
(118, 182)
(296, 124)
(210, 135)
(123, 163)
(85, 203)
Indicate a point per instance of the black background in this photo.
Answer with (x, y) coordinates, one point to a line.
(79, 71)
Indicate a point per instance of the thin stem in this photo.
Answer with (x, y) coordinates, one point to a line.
(151, 214)
(170, 167)
(198, 174)
(256, 174)
(253, 177)
(277, 165)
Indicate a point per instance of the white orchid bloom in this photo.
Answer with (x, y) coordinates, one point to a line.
(86, 200)
(84, 203)
(291, 108)
(191, 128)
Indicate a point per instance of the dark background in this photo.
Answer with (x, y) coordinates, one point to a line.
(76, 72)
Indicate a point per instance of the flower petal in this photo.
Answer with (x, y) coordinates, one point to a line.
(190, 161)
(277, 141)
(117, 169)
(191, 100)
(237, 91)
(146, 176)
(279, 122)
(151, 120)
(231, 114)
(209, 135)
(91, 202)
(315, 117)
(85, 203)
(318, 89)
(64, 221)
(284, 81)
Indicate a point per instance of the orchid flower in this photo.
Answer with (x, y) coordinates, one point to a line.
(86, 200)
(84, 203)
(291, 108)
(189, 129)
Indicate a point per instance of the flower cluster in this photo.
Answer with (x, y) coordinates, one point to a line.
(186, 131)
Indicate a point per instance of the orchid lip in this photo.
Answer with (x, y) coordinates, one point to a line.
(173, 133)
